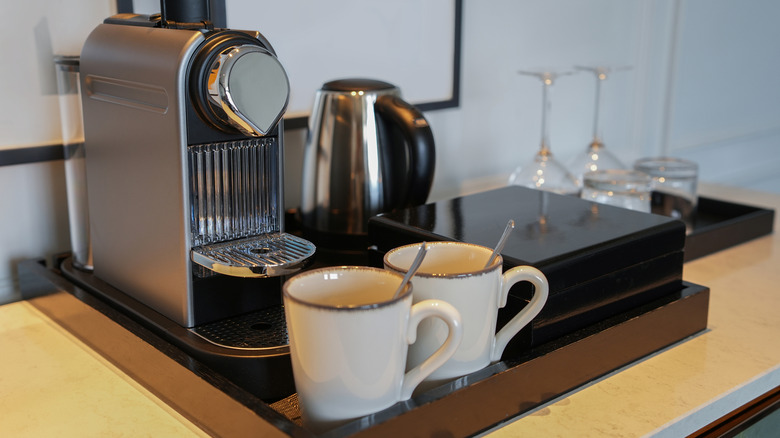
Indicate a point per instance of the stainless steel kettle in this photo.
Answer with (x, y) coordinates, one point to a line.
(368, 151)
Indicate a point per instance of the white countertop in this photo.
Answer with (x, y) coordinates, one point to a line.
(52, 384)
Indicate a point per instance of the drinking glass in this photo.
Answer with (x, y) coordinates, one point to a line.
(619, 187)
(69, 88)
(674, 183)
(596, 156)
(545, 172)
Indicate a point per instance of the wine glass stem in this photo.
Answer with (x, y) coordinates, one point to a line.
(597, 110)
(546, 85)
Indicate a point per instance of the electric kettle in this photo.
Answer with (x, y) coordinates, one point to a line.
(368, 151)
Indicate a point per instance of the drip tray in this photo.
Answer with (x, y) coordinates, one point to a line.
(262, 329)
(268, 255)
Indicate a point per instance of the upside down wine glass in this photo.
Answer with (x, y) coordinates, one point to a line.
(596, 156)
(544, 172)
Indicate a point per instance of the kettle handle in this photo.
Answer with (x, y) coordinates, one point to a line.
(418, 136)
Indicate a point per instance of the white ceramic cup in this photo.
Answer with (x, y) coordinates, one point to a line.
(349, 339)
(455, 272)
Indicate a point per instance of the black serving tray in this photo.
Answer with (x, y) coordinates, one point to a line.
(464, 407)
(500, 392)
(719, 225)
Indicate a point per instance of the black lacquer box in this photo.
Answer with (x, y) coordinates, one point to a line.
(599, 260)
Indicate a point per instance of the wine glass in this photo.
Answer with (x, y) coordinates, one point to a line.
(596, 156)
(544, 172)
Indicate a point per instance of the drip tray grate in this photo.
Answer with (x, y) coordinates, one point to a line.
(265, 328)
(269, 255)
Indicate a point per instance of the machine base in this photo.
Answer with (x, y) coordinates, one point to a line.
(237, 347)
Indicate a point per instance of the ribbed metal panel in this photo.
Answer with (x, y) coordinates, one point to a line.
(234, 190)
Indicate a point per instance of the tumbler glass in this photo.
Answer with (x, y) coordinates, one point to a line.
(673, 185)
(67, 71)
(622, 188)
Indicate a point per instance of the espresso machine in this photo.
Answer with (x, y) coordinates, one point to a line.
(184, 137)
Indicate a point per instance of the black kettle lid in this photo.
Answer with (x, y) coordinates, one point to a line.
(357, 84)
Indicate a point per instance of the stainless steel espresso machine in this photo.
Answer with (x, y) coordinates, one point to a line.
(184, 139)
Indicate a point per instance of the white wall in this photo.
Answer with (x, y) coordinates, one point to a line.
(724, 107)
(702, 85)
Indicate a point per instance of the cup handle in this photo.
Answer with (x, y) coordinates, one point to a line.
(448, 314)
(541, 291)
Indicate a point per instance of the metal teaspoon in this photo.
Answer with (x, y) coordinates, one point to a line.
(501, 242)
(412, 269)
